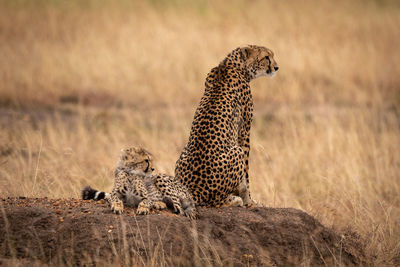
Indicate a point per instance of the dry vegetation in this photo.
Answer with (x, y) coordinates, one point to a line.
(79, 80)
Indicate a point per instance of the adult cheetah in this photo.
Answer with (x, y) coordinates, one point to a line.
(215, 162)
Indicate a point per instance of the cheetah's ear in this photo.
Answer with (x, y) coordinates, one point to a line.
(248, 54)
(245, 51)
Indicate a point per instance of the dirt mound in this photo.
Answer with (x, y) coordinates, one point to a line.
(61, 231)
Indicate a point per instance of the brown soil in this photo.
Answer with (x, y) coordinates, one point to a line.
(71, 231)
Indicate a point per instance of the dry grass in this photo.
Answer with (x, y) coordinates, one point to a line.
(79, 80)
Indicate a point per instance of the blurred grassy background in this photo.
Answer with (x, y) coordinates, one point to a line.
(79, 80)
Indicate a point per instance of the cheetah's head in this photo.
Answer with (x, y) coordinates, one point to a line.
(259, 61)
(137, 159)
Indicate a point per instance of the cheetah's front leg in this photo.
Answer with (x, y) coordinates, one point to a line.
(238, 158)
(244, 144)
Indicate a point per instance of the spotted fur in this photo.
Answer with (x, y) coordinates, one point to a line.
(136, 185)
(214, 164)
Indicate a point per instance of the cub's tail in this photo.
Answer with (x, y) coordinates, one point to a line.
(90, 193)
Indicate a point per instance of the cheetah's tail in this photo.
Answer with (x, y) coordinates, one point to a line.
(90, 193)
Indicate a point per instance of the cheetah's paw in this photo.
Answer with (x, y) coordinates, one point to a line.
(235, 201)
(159, 205)
(143, 211)
(191, 213)
(117, 208)
(254, 204)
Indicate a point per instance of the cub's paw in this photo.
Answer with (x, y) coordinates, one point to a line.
(117, 207)
(142, 210)
(191, 213)
(178, 209)
(158, 205)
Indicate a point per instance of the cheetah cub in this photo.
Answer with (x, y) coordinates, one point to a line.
(136, 185)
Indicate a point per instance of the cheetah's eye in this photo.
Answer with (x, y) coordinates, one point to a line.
(267, 57)
(146, 160)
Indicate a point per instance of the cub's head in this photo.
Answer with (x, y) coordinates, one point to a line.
(259, 61)
(136, 159)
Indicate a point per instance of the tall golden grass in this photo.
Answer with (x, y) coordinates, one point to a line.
(79, 80)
